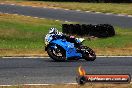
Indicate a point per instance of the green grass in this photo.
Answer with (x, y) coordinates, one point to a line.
(27, 33)
(24, 33)
(116, 8)
(123, 38)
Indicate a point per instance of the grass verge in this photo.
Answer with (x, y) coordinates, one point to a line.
(23, 36)
(76, 86)
(116, 8)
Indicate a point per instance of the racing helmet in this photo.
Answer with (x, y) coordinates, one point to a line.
(53, 31)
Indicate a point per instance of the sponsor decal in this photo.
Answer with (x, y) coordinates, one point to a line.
(83, 78)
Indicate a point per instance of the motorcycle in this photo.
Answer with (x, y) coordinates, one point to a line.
(62, 48)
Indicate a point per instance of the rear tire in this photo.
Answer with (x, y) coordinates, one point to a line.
(50, 52)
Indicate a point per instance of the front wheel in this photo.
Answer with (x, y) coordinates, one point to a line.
(56, 52)
(89, 55)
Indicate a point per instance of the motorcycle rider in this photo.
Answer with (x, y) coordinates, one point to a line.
(54, 32)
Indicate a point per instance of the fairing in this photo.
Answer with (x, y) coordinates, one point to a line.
(69, 48)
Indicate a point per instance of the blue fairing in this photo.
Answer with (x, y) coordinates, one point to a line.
(69, 47)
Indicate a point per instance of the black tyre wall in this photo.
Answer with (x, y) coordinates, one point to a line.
(99, 30)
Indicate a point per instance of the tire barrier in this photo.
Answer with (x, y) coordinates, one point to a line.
(99, 30)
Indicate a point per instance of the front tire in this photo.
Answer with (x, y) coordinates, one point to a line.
(53, 53)
(89, 54)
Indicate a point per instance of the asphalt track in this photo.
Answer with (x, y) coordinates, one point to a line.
(44, 70)
(69, 15)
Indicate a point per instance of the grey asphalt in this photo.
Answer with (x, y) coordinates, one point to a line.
(45, 70)
(68, 15)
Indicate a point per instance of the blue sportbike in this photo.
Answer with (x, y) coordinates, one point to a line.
(63, 48)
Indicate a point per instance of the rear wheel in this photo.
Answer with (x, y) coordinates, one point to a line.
(89, 54)
(56, 52)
